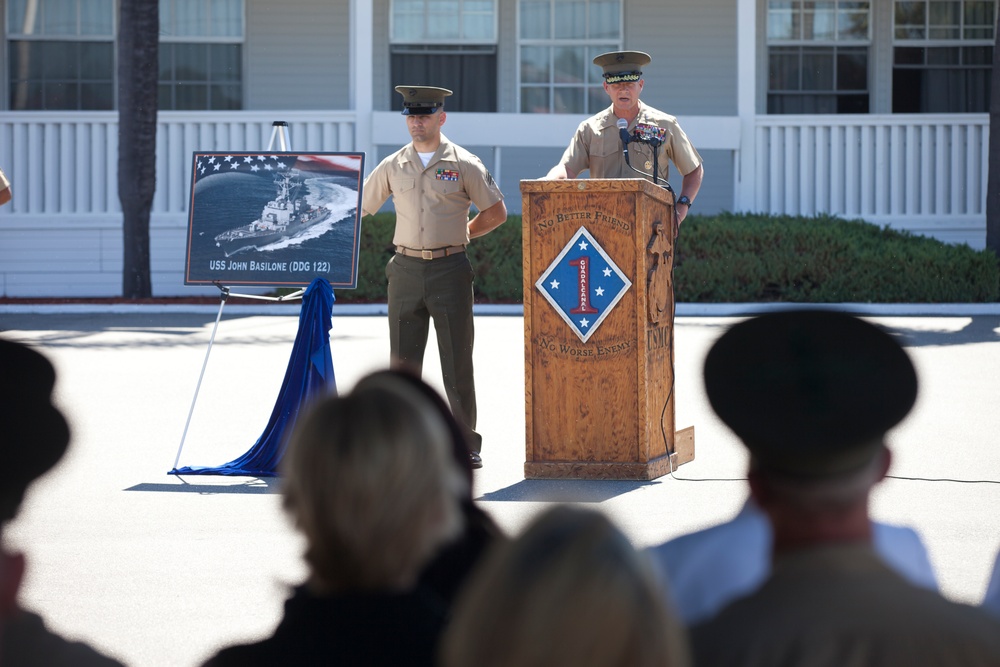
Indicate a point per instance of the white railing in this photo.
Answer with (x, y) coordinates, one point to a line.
(889, 168)
(67, 163)
(61, 235)
(881, 168)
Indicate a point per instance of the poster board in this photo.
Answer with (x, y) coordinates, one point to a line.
(274, 219)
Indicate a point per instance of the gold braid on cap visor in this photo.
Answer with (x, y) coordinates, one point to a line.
(618, 77)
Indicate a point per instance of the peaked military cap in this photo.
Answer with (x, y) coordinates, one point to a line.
(621, 66)
(422, 100)
(33, 432)
(810, 392)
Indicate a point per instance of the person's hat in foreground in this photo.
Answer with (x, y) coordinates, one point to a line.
(422, 100)
(810, 392)
(33, 433)
(622, 66)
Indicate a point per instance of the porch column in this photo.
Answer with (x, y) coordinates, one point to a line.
(362, 45)
(746, 104)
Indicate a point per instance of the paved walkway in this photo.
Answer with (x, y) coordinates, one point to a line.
(162, 571)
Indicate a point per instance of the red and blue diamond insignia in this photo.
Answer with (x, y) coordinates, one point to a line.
(446, 175)
(583, 284)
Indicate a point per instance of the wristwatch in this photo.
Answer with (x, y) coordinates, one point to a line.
(683, 199)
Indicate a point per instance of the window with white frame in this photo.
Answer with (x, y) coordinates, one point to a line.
(447, 43)
(61, 54)
(942, 55)
(559, 40)
(818, 56)
(201, 54)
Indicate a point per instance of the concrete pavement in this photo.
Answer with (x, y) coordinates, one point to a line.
(160, 570)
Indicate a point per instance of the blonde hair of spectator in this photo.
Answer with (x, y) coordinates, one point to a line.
(370, 481)
(570, 590)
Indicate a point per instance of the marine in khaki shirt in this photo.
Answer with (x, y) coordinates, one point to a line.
(597, 144)
(433, 183)
(432, 202)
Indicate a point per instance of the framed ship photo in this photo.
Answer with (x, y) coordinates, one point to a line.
(274, 219)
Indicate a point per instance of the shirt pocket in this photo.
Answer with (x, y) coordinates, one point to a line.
(447, 181)
(404, 192)
(604, 155)
(400, 185)
(605, 144)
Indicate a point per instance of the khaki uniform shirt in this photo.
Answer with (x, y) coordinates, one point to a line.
(840, 606)
(597, 146)
(432, 203)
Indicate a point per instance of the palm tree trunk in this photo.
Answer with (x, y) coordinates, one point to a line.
(138, 72)
(993, 179)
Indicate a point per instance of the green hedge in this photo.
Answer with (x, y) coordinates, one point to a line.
(755, 258)
(746, 258)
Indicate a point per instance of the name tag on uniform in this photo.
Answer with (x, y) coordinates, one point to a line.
(447, 175)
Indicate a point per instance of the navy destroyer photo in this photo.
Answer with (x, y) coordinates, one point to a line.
(284, 217)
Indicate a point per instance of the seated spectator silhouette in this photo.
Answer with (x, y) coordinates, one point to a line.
(34, 436)
(991, 600)
(451, 565)
(570, 590)
(370, 481)
(812, 394)
(708, 568)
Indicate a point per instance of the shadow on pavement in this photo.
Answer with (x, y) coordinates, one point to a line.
(564, 490)
(257, 485)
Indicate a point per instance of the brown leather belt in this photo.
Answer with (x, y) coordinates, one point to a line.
(430, 254)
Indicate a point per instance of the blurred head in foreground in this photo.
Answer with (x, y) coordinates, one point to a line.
(447, 571)
(570, 590)
(33, 432)
(811, 393)
(370, 480)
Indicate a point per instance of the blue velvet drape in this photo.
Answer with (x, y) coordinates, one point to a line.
(309, 374)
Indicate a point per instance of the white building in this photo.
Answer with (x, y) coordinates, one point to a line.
(873, 109)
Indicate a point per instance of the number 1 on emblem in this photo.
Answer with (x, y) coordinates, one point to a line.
(583, 285)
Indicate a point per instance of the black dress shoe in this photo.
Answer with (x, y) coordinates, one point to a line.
(475, 459)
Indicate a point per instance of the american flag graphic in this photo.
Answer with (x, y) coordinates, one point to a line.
(268, 164)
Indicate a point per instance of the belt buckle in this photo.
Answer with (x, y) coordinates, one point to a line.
(427, 254)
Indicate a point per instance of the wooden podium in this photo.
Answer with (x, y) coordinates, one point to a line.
(598, 330)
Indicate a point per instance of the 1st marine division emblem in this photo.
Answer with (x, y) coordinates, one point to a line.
(583, 284)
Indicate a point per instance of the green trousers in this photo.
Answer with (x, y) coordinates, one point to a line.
(438, 289)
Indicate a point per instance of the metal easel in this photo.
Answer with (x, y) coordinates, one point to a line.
(279, 134)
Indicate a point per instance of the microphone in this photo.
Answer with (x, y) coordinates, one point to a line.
(623, 132)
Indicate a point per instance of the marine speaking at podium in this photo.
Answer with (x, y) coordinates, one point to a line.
(630, 139)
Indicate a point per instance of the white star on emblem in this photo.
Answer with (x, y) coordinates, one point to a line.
(247, 159)
(554, 284)
(261, 158)
(254, 167)
(599, 291)
(583, 245)
(234, 165)
(268, 167)
(211, 160)
(281, 165)
(229, 158)
(216, 166)
(607, 272)
(584, 323)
